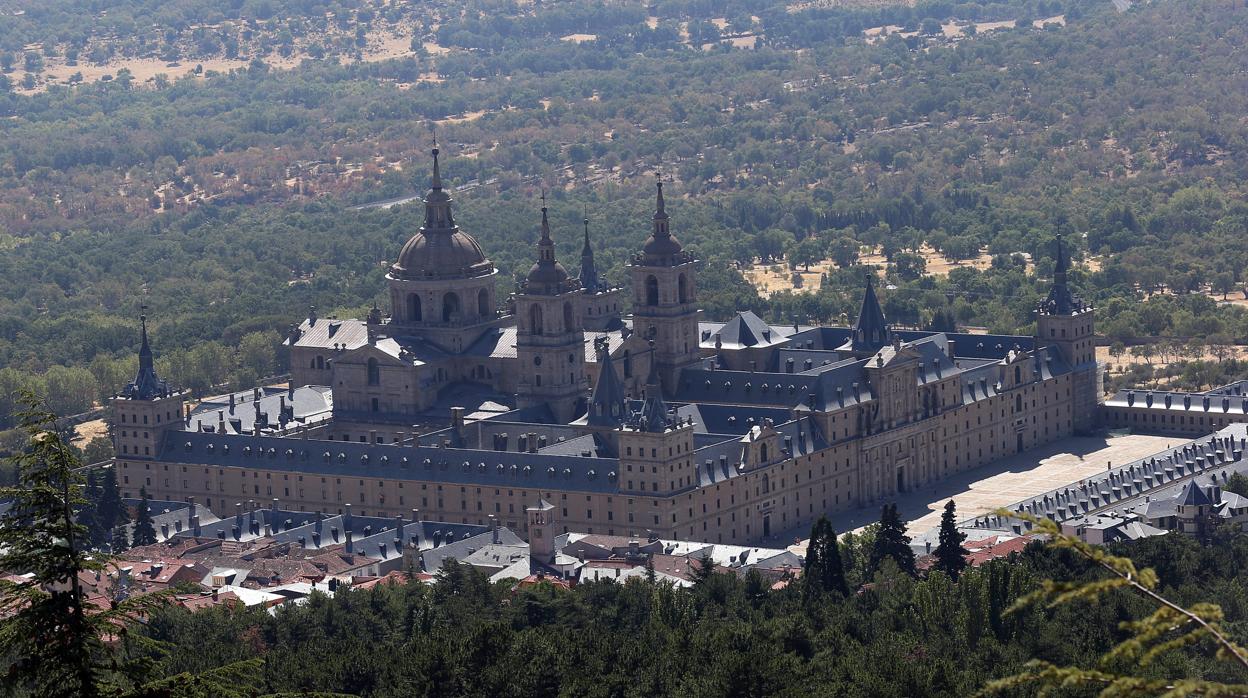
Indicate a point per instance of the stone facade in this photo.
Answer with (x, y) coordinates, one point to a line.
(735, 432)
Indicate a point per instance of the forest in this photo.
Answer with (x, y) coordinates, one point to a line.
(223, 201)
(897, 636)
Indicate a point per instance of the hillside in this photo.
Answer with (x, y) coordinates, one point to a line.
(223, 200)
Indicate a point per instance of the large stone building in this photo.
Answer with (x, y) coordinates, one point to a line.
(659, 422)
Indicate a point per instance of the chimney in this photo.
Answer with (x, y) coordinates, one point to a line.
(416, 529)
(634, 548)
(346, 517)
(238, 515)
(457, 420)
(350, 543)
(231, 403)
(372, 436)
(398, 527)
(319, 518)
(215, 597)
(494, 529)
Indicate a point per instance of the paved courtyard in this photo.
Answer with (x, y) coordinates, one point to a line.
(1035, 472)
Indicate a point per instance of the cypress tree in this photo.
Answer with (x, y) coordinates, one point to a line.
(950, 555)
(144, 530)
(823, 572)
(891, 541)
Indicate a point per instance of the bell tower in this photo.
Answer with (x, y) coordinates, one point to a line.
(550, 339)
(665, 298)
(1066, 323)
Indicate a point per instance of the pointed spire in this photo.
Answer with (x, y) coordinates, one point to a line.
(438, 216)
(661, 247)
(871, 330)
(661, 229)
(589, 270)
(1060, 300)
(146, 384)
(145, 349)
(437, 172)
(653, 415)
(547, 275)
(608, 405)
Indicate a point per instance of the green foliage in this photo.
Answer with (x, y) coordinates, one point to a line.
(950, 555)
(823, 572)
(144, 532)
(1123, 669)
(891, 542)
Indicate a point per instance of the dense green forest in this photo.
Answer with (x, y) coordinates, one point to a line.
(899, 636)
(1122, 130)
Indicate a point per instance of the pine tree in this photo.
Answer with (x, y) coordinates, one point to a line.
(144, 530)
(950, 555)
(50, 631)
(120, 539)
(88, 513)
(892, 542)
(110, 509)
(704, 570)
(823, 572)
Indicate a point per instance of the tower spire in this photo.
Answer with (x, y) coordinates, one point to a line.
(547, 275)
(146, 384)
(437, 202)
(589, 270)
(661, 229)
(871, 330)
(1060, 300)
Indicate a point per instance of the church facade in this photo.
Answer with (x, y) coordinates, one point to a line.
(466, 408)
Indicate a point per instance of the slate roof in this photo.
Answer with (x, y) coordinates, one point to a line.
(747, 330)
(390, 461)
(324, 333)
(305, 405)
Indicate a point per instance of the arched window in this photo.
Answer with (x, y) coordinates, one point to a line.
(766, 484)
(320, 363)
(762, 453)
(652, 291)
(535, 319)
(1018, 375)
(374, 372)
(567, 317)
(682, 289)
(313, 363)
(483, 303)
(414, 312)
(1018, 403)
(628, 365)
(450, 307)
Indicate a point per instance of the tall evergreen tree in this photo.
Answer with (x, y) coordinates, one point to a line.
(88, 513)
(892, 542)
(704, 570)
(823, 572)
(110, 509)
(121, 540)
(144, 530)
(950, 555)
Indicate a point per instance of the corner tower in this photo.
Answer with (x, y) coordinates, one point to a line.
(442, 286)
(146, 408)
(1066, 323)
(550, 339)
(665, 298)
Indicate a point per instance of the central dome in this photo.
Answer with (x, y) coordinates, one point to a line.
(441, 254)
(440, 250)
